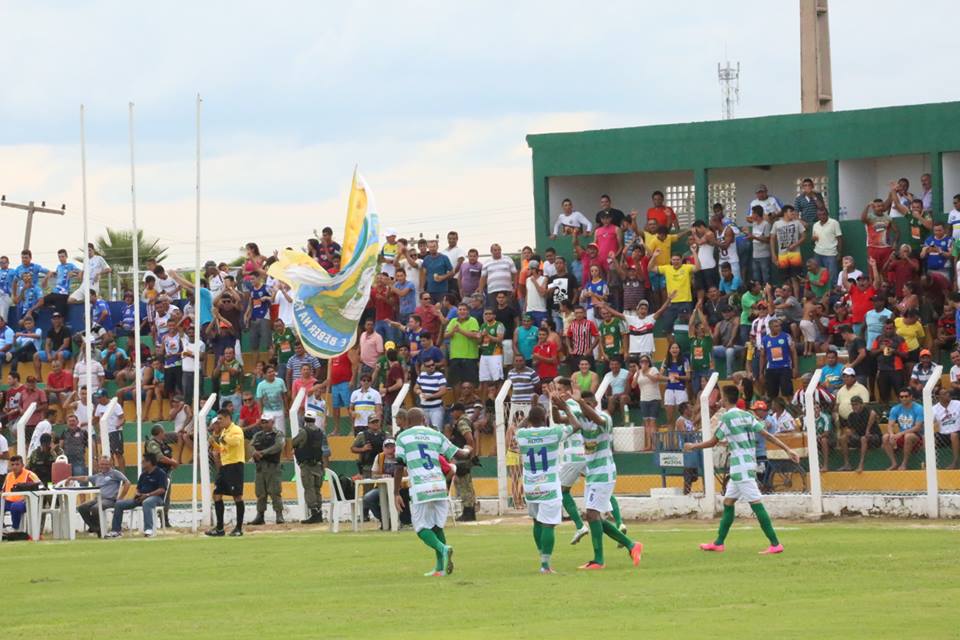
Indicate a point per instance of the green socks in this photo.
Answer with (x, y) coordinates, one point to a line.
(538, 535)
(430, 539)
(611, 530)
(441, 536)
(571, 508)
(615, 510)
(547, 539)
(596, 537)
(764, 518)
(725, 523)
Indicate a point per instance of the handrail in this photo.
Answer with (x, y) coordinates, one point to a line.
(813, 451)
(501, 426)
(397, 403)
(930, 445)
(709, 483)
(294, 430)
(104, 436)
(22, 431)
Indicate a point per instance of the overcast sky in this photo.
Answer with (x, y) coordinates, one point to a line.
(432, 99)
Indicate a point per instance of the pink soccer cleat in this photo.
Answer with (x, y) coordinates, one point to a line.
(635, 552)
(710, 546)
(772, 549)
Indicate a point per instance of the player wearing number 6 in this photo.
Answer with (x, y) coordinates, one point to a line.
(419, 449)
(739, 430)
(539, 445)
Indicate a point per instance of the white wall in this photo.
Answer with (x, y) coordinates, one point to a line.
(781, 181)
(628, 191)
(951, 178)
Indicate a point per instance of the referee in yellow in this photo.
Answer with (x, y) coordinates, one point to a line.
(228, 440)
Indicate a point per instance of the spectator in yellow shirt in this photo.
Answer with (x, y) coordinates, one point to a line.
(228, 442)
(678, 278)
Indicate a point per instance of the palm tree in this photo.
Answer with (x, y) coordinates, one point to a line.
(116, 247)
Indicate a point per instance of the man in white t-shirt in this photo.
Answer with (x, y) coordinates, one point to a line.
(80, 373)
(953, 218)
(946, 416)
(828, 242)
(166, 284)
(771, 204)
(498, 274)
(569, 221)
(113, 424)
(455, 254)
(98, 267)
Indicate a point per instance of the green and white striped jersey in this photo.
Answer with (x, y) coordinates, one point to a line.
(540, 453)
(419, 448)
(739, 429)
(573, 446)
(598, 447)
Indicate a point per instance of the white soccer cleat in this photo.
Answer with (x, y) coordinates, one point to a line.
(579, 534)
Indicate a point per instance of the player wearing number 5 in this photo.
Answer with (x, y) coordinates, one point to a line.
(739, 429)
(539, 445)
(419, 449)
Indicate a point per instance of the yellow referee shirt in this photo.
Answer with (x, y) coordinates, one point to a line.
(230, 445)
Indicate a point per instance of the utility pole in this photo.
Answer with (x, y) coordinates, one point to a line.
(816, 84)
(31, 208)
(730, 88)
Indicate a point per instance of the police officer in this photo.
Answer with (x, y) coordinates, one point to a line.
(267, 444)
(460, 433)
(157, 445)
(368, 444)
(312, 453)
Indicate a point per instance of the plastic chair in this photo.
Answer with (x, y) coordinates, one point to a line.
(337, 503)
(157, 513)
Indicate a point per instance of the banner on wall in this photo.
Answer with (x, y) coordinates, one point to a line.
(327, 308)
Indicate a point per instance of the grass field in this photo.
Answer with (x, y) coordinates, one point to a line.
(850, 579)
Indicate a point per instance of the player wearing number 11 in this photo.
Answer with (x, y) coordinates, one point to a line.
(539, 445)
(419, 449)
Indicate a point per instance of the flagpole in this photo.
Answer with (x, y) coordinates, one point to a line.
(198, 359)
(88, 338)
(138, 388)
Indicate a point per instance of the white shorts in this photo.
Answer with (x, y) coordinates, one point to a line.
(491, 368)
(674, 397)
(549, 512)
(434, 417)
(598, 496)
(427, 515)
(279, 419)
(570, 472)
(746, 490)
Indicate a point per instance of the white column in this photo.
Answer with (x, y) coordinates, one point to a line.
(706, 430)
(136, 297)
(501, 426)
(813, 450)
(930, 445)
(87, 356)
(294, 430)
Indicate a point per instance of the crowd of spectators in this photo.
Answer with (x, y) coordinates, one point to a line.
(453, 326)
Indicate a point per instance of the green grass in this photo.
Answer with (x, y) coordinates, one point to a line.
(851, 579)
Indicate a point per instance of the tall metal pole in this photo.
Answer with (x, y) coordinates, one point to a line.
(88, 338)
(136, 296)
(199, 428)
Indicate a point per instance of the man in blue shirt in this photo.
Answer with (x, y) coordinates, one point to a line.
(831, 373)
(28, 266)
(936, 251)
(100, 311)
(63, 274)
(6, 341)
(778, 359)
(437, 270)
(27, 294)
(6, 283)
(904, 431)
(729, 281)
(406, 294)
(151, 487)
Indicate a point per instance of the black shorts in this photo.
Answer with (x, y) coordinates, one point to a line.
(460, 370)
(230, 480)
(942, 439)
(116, 442)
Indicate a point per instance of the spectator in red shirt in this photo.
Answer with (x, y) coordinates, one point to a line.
(430, 318)
(249, 413)
(581, 339)
(59, 385)
(384, 300)
(29, 395)
(340, 372)
(546, 360)
(861, 297)
(664, 216)
(901, 268)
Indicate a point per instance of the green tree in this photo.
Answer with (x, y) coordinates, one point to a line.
(116, 247)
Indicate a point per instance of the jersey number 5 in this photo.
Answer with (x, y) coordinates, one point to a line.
(425, 455)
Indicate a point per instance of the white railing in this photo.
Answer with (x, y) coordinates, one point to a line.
(294, 430)
(603, 386)
(501, 430)
(201, 461)
(104, 436)
(930, 444)
(813, 446)
(22, 445)
(397, 403)
(706, 428)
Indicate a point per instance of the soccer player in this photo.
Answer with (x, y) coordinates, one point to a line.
(597, 429)
(739, 429)
(419, 449)
(539, 448)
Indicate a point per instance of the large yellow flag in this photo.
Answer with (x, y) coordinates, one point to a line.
(327, 308)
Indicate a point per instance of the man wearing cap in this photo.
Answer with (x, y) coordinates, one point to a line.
(384, 466)
(267, 444)
(365, 403)
(861, 427)
(388, 253)
(588, 257)
(922, 372)
(367, 445)
(850, 388)
(113, 424)
(157, 446)
(861, 297)
(312, 453)
(771, 205)
(460, 433)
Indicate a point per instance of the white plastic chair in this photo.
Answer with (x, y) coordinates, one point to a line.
(338, 504)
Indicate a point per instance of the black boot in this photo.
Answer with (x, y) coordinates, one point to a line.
(469, 515)
(316, 516)
(280, 519)
(258, 520)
